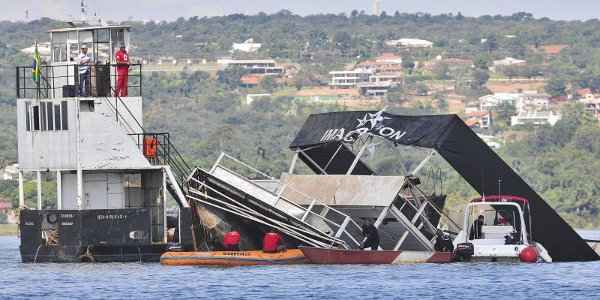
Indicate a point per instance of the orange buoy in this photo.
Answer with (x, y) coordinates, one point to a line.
(529, 254)
(231, 240)
(271, 242)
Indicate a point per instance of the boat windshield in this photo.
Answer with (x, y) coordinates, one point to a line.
(499, 222)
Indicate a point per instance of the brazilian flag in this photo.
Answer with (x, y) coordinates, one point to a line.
(36, 72)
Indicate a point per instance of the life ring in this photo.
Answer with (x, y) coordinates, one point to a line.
(51, 218)
(150, 146)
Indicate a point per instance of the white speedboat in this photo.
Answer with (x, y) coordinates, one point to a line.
(498, 228)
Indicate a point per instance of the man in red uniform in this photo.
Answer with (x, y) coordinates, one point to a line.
(122, 59)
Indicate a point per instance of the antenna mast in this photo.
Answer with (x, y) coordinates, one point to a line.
(83, 7)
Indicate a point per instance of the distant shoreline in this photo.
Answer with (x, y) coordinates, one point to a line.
(8, 229)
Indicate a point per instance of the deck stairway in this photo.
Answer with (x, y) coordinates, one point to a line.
(224, 188)
(167, 155)
(417, 214)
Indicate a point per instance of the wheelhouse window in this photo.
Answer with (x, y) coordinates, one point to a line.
(49, 116)
(36, 117)
(57, 117)
(27, 116)
(46, 116)
(64, 115)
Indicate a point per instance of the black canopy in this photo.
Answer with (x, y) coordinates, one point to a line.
(479, 165)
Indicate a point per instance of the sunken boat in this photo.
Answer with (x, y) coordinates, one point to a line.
(325, 209)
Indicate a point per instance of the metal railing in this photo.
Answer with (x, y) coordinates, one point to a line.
(158, 149)
(316, 212)
(66, 81)
(165, 153)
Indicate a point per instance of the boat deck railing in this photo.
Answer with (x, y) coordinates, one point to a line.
(325, 218)
(63, 81)
(157, 147)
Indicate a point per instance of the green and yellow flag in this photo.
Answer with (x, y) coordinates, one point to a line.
(36, 72)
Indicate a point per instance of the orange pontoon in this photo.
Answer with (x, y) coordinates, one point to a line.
(232, 258)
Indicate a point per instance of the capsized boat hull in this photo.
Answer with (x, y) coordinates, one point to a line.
(232, 258)
(368, 257)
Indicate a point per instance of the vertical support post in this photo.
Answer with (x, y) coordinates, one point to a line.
(140, 77)
(164, 206)
(78, 155)
(21, 192)
(58, 189)
(293, 164)
(18, 84)
(39, 190)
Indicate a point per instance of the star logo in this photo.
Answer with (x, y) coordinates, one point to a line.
(373, 119)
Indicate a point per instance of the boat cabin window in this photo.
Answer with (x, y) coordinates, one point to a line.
(59, 47)
(102, 44)
(46, 116)
(36, 117)
(102, 52)
(497, 222)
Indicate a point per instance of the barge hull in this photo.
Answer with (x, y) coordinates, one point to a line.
(99, 235)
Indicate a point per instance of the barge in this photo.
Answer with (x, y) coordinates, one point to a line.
(111, 177)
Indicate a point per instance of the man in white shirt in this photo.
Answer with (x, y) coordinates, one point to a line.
(84, 71)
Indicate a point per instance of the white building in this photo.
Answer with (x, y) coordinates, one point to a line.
(535, 118)
(523, 102)
(409, 43)
(255, 66)
(374, 89)
(508, 61)
(247, 46)
(592, 105)
(348, 79)
(491, 102)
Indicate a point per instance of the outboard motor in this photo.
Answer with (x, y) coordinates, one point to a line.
(464, 252)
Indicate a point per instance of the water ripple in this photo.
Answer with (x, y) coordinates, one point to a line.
(419, 281)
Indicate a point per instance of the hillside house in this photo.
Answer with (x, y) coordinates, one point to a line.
(535, 118)
(247, 46)
(409, 43)
(349, 79)
(255, 66)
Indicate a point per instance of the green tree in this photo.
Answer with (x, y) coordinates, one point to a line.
(441, 71)
(480, 78)
(481, 62)
(396, 94)
(556, 87)
(505, 110)
(230, 77)
(342, 41)
(408, 64)
(268, 84)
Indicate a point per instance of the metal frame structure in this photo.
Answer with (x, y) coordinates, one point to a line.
(413, 225)
(346, 234)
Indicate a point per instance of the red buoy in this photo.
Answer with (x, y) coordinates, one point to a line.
(271, 242)
(529, 254)
(231, 240)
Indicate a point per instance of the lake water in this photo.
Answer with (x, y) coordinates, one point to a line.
(419, 281)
